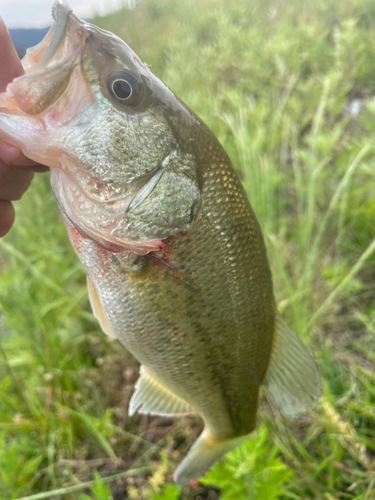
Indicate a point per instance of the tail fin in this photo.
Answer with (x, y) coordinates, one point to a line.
(292, 378)
(204, 453)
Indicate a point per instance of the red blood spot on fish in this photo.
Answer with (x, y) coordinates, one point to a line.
(167, 253)
(194, 483)
(177, 277)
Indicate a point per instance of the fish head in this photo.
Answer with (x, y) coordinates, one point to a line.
(116, 138)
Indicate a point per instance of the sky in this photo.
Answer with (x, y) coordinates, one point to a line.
(37, 13)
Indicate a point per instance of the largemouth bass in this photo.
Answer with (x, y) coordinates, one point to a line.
(175, 260)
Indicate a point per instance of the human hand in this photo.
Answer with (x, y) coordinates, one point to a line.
(16, 170)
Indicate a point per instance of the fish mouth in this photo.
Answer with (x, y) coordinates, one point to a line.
(48, 66)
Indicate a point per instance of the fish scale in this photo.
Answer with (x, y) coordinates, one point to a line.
(176, 264)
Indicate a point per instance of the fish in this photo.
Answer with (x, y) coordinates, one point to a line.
(176, 264)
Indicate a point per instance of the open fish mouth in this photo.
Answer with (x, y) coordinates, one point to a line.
(48, 65)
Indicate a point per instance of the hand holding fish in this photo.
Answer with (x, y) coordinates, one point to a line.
(16, 170)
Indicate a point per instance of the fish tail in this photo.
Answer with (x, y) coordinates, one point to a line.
(292, 378)
(204, 453)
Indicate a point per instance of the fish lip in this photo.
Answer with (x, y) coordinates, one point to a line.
(63, 16)
(61, 12)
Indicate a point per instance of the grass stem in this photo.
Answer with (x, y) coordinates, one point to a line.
(88, 484)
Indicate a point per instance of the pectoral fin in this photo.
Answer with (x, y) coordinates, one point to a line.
(152, 397)
(97, 309)
(292, 378)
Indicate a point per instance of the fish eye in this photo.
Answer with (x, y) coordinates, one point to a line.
(124, 87)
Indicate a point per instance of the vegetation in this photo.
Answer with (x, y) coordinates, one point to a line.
(280, 84)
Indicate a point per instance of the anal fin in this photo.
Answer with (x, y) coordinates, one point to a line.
(97, 309)
(292, 378)
(152, 397)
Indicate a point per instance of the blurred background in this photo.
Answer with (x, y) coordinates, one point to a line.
(288, 88)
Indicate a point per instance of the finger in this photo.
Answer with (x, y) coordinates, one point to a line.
(14, 181)
(14, 156)
(11, 66)
(6, 216)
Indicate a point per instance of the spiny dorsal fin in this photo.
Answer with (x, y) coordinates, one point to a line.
(292, 378)
(154, 398)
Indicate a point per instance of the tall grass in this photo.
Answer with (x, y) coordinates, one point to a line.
(275, 81)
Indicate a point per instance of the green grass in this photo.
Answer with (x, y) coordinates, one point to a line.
(273, 80)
